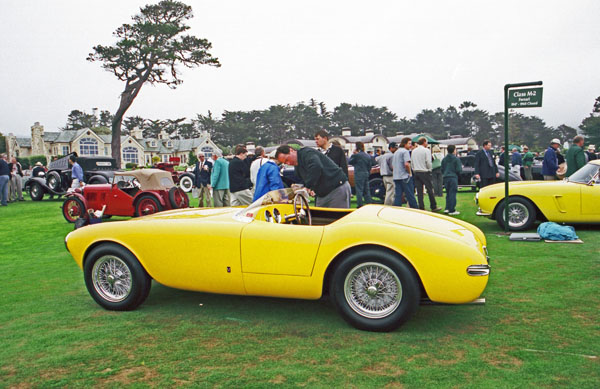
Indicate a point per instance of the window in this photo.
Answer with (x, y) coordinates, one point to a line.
(65, 150)
(130, 155)
(208, 152)
(169, 144)
(88, 146)
(106, 152)
(152, 143)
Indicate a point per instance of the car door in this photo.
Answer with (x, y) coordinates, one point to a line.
(284, 249)
(590, 203)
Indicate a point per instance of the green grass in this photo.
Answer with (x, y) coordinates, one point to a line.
(539, 326)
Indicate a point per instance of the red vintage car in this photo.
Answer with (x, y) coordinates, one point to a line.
(133, 193)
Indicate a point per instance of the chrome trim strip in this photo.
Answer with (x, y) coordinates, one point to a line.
(478, 270)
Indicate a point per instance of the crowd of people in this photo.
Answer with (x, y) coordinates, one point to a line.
(406, 168)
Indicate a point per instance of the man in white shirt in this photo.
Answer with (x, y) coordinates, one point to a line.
(421, 166)
(385, 169)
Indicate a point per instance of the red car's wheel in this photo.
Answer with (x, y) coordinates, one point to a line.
(178, 198)
(73, 209)
(147, 205)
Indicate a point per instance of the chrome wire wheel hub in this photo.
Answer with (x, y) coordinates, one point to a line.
(112, 278)
(517, 215)
(373, 290)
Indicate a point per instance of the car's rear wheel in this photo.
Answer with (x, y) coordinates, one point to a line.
(186, 183)
(147, 205)
(73, 209)
(521, 214)
(97, 179)
(36, 192)
(374, 290)
(377, 188)
(115, 279)
(178, 198)
(53, 181)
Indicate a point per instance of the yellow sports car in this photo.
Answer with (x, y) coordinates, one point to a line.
(574, 200)
(375, 262)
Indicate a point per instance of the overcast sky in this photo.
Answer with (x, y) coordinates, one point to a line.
(405, 55)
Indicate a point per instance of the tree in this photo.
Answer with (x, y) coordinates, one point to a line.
(590, 126)
(79, 119)
(133, 122)
(106, 119)
(148, 51)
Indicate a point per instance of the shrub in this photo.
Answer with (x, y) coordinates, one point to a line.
(38, 158)
(130, 165)
(25, 164)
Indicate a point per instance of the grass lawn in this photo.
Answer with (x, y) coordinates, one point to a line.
(539, 327)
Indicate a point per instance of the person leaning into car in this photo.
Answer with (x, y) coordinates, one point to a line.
(575, 156)
(239, 178)
(486, 169)
(76, 173)
(202, 179)
(319, 174)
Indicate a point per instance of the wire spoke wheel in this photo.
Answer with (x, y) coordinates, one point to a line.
(373, 290)
(112, 278)
(518, 215)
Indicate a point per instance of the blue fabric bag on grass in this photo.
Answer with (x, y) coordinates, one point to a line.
(553, 231)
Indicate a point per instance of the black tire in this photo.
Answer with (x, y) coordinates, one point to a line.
(73, 209)
(186, 182)
(521, 214)
(53, 181)
(107, 262)
(377, 188)
(348, 288)
(36, 192)
(178, 198)
(147, 204)
(97, 179)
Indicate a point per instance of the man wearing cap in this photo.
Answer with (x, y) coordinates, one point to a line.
(550, 164)
(575, 156)
(386, 171)
(38, 170)
(527, 163)
(591, 153)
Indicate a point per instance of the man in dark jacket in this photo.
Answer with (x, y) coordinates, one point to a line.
(4, 178)
(362, 163)
(320, 174)
(486, 169)
(550, 163)
(451, 169)
(202, 179)
(239, 178)
(334, 152)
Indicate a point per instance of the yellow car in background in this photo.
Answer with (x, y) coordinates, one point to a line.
(573, 200)
(375, 262)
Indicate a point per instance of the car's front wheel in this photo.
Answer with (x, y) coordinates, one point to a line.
(374, 290)
(53, 180)
(115, 279)
(186, 183)
(73, 209)
(36, 192)
(521, 214)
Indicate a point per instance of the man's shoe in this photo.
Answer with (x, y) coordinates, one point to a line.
(446, 211)
(454, 213)
(436, 209)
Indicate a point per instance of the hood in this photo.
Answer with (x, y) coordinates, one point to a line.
(190, 213)
(435, 223)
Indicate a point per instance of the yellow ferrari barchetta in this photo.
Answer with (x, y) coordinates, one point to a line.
(376, 262)
(573, 200)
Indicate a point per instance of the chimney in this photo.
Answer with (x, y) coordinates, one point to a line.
(346, 131)
(369, 132)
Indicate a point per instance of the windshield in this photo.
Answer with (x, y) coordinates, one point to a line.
(586, 174)
(279, 196)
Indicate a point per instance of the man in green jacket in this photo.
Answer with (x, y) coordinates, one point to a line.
(575, 156)
(451, 169)
(527, 163)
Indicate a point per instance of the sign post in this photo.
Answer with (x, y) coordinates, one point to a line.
(517, 98)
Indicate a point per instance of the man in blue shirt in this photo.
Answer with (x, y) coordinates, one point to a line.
(402, 174)
(550, 164)
(76, 173)
(362, 163)
(4, 177)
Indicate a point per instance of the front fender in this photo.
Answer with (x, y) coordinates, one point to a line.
(80, 197)
(38, 180)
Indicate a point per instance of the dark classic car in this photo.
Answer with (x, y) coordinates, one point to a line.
(134, 193)
(57, 180)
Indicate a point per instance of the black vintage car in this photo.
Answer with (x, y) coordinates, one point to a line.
(466, 179)
(57, 180)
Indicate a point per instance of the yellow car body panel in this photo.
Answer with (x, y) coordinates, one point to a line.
(209, 250)
(559, 201)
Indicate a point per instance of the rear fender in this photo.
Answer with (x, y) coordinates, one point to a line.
(159, 195)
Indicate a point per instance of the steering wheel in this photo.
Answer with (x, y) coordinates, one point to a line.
(302, 210)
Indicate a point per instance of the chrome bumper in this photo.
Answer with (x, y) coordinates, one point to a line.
(478, 270)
